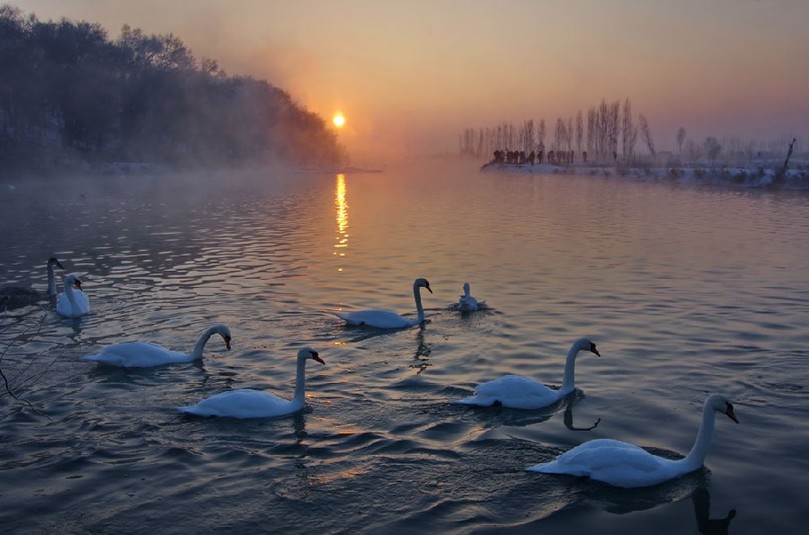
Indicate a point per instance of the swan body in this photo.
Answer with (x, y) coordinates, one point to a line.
(518, 392)
(622, 464)
(146, 354)
(23, 295)
(73, 303)
(386, 319)
(467, 303)
(248, 403)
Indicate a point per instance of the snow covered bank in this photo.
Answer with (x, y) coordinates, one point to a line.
(752, 176)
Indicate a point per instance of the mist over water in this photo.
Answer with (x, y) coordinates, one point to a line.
(686, 290)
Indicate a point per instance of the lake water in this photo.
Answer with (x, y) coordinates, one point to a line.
(685, 290)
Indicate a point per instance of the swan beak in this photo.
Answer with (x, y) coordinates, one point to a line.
(227, 342)
(428, 288)
(315, 357)
(731, 414)
(77, 284)
(59, 265)
(594, 350)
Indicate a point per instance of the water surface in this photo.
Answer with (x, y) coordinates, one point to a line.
(686, 291)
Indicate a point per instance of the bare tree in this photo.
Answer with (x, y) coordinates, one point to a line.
(712, 148)
(681, 139)
(560, 134)
(613, 126)
(591, 130)
(626, 129)
(528, 135)
(579, 131)
(646, 134)
(32, 368)
(541, 134)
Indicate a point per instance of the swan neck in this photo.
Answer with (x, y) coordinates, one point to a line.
(197, 352)
(71, 297)
(419, 307)
(568, 384)
(51, 281)
(300, 383)
(696, 457)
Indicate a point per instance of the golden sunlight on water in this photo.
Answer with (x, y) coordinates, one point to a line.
(342, 217)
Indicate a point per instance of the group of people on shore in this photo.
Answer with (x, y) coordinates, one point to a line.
(518, 157)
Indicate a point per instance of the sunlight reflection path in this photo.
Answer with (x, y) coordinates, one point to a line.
(342, 217)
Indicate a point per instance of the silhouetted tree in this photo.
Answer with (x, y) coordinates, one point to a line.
(65, 88)
(712, 148)
(646, 134)
(680, 138)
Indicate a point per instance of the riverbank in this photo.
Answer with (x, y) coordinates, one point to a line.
(753, 175)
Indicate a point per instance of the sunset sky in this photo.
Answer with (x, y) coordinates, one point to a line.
(410, 75)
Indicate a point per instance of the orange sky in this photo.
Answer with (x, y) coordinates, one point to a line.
(410, 75)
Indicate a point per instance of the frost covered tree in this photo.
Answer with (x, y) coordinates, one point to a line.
(626, 129)
(681, 139)
(646, 134)
(541, 134)
(712, 148)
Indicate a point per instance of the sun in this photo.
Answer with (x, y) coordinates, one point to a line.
(339, 120)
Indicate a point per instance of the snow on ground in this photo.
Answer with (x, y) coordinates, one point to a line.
(754, 175)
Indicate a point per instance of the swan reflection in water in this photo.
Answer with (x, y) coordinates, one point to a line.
(500, 415)
(421, 359)
(702, 510)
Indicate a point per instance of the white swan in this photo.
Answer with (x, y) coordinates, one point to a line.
(247, 403)
(386, 319)
(22, 295)
(467, 303)
(625, 465)
(145, 354)
(73, 303)
(523, 393)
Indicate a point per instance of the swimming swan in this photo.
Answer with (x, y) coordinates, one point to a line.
(73, 303)
(519, 392)
(23, 295)
(386, 319)
(622, 464)
(467, 303)
(247, 403)
(145, 354)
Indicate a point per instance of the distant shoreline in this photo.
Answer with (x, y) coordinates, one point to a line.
(753, 175)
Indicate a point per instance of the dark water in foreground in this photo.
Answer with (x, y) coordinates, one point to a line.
(685, 290)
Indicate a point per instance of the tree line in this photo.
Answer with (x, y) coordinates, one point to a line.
(608, 130)
(68, 91)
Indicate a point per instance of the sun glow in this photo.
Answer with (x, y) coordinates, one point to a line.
(339, 120)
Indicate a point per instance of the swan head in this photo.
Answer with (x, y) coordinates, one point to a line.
(466, 288)
(309, 353)
(52, 261)
(224, 332)
(422, 283)
(584, 344)
(720, 403)
(73, 280)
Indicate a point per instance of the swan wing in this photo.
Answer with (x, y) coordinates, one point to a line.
(243, 403)
(381, 319)
(138, 355)
(512, 391)
(617, 463)
(64, 308)
(468, 303)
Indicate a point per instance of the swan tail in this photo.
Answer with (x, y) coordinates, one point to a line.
(194, 410)
(478, 401)
(549, 468)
